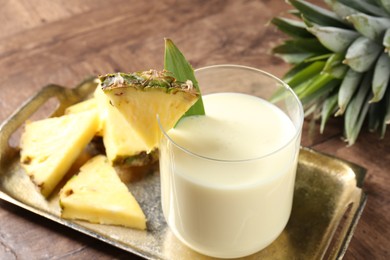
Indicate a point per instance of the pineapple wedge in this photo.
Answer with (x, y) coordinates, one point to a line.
(141, 96)
(50, 146)
(86, 105)
(81, 106)
(97, 195)
(123, 145)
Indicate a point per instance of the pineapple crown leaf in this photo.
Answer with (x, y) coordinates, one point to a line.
(295, 58)
(362, 54)
(311, 45)
(291, 27)
(369, 26)
(318, 58)
(335, 66)
(381, 76)
(328, 108)
(347, 89)
(294, 12)
(357, 109)
(321, 93)
(333, 38)
(175, 62)
(302, 74)
(385, 4)
(341, 10)
(298, 50)
(386, 41)
(318, 83)
(318, 14)
(368, 7)
(334, 60)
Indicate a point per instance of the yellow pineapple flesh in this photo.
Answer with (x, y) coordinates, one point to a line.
(97, 195)
(123, 145)
(141, 96)
(83, 106)
(50, 146)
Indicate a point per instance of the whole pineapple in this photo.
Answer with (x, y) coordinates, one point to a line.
(341, 61)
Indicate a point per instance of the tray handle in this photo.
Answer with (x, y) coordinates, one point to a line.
(348, 224)
(65, 97)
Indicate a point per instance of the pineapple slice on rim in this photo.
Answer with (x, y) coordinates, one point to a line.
(97, 195)
(50, 146)
(141, 96)
(123, 145)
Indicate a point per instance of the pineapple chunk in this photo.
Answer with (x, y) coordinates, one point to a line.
(141, 96)
(50, 146)
(83, 106)
(123, 145)
(97, 195)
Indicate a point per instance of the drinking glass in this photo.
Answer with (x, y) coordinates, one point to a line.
(232, 207)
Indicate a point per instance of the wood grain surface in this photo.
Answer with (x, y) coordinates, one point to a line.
(65, 41)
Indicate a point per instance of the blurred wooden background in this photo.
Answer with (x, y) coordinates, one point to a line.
(64, 42)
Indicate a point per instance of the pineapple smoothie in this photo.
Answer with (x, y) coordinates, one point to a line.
(227, 178)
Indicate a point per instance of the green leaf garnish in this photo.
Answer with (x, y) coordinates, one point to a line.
(176, 63)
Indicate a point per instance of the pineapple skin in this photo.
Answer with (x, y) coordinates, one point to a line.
(50, 146)
(142, 96)
(97, 195)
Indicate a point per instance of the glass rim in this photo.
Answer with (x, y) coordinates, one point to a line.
(284, 84)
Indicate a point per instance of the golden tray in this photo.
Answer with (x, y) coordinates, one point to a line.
(328, 199)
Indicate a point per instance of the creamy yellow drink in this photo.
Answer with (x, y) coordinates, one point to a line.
(228, 177)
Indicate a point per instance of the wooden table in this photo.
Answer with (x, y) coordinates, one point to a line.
(63, 42)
